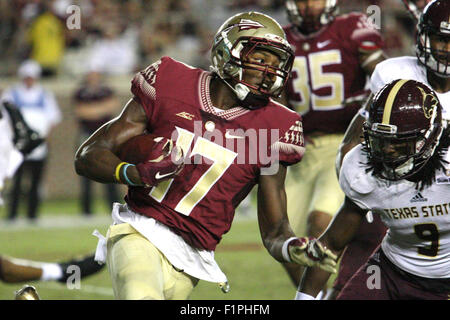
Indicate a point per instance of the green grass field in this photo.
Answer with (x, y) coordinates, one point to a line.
(63, 234)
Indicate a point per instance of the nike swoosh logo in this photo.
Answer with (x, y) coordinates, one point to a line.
(323, 44)
(228, 135)
(162, 176)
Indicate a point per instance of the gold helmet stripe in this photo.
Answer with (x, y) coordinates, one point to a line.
(390, 101)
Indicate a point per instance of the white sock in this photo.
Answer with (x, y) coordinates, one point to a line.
(51, 271)
(321, 295)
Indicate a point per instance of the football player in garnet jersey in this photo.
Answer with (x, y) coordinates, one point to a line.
(333, 57)
(400, 172)
(163, 238)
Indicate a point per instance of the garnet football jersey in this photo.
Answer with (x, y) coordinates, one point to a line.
(418, 238)
(226, 151)
(406, 68)
(327, 72)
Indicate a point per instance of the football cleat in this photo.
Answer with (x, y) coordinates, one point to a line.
(224, 286)
(27, 293)
(87, 266)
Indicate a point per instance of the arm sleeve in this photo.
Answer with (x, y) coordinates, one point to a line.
(290, 145)
(363, 34)
(345, 176)
(377, 80)
(143, 87)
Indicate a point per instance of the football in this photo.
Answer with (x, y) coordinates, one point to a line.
(142, 147)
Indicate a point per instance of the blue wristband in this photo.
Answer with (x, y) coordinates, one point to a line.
(125, 175)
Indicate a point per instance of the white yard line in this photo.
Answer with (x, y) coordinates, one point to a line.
(69, 221)
(58, 222)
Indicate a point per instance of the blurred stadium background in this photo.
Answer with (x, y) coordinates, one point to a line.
(140, 31)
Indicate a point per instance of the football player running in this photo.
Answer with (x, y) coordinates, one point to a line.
(334, 54)
(163, 238)
(430, 66)
(400, 172)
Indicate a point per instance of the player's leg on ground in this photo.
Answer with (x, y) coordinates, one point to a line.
(13, 271)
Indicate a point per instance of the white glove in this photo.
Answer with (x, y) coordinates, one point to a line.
(310, 252)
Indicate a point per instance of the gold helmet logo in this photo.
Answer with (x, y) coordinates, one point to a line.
(429, 103)
(247, 24)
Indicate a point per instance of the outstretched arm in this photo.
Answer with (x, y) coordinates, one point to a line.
(276, 233)
(338, 234)
(272, 216)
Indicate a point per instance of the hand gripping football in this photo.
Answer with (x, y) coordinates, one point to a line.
(156, 158)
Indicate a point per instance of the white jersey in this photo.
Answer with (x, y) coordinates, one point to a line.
(418, 239)
(405, 68)
(39, 109)
(10, 157)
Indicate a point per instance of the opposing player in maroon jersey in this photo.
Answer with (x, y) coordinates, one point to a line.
(333, 57)
(232, 136)
(432, 37)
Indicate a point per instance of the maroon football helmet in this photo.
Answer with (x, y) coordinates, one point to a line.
(415, 7)
(403, 128)
(305, 22)
(433, 36)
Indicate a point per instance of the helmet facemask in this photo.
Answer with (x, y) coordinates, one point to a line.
(400, 155)
(436, 60)
(273, 78)
(432, 38)
(230, 61)
(306, 25)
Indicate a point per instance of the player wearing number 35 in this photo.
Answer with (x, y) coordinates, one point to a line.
(334, 54)
(182, 198)
(400, 172)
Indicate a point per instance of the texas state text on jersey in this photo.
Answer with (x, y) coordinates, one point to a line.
(327, 71)
(226, 151)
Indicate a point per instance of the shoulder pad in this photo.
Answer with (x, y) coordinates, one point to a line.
(353, 176)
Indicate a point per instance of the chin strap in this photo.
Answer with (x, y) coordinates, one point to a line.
(255, 101)
(241, 90)
(249, 100)
(401, 170)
